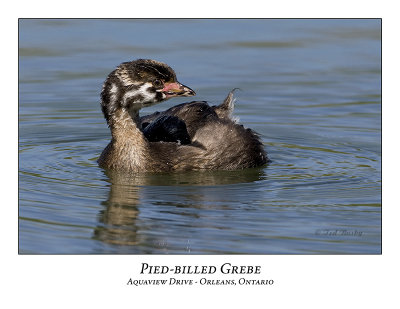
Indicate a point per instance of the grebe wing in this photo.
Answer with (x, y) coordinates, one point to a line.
(167, 129)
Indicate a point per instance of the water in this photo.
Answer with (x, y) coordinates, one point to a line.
(311, 88)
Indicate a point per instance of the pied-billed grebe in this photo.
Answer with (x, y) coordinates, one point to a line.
(189, 136)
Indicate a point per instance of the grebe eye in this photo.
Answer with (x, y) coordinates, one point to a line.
(157, 83)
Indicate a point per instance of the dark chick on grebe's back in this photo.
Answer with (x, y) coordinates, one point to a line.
(188, 136)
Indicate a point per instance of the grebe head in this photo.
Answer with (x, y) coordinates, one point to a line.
(138, 84)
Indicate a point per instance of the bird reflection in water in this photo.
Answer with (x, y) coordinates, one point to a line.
(118, 221)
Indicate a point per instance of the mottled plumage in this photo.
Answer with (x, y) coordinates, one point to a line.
(188, 136)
